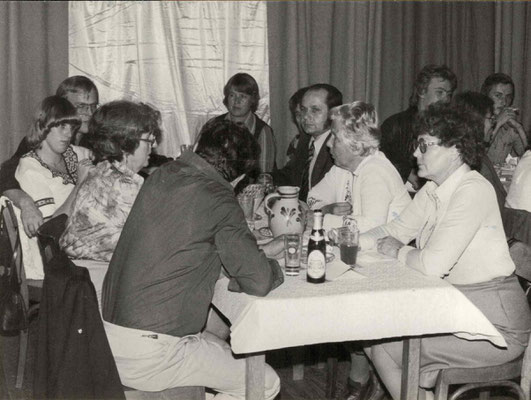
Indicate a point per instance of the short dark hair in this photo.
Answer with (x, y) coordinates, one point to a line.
(495, 79)
(76, 84)
(243, 83)
(454, 126)
(474, 102)
(229, 148)
(424, 77)
(52, 111)
(294, 101)
(118, 126)
(334, 97)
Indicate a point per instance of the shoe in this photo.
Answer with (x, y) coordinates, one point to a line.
(355, 390)
(375, 391)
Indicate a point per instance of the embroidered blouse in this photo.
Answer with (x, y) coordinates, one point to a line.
(49, 188)
(100, 210)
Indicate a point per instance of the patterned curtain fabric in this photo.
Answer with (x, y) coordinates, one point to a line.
(371, 51)
(175, 55)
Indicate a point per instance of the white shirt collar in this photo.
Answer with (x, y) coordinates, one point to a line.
(448, 187)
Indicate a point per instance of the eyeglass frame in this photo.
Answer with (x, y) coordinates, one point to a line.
(83, 107)
(423, 145)
(150, 141)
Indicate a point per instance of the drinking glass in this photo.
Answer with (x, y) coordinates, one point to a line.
(292, 253)
(347, 238)
(247, 205)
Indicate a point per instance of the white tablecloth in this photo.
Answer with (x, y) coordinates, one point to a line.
(383, 299)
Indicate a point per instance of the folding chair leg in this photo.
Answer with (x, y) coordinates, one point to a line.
(22, 355)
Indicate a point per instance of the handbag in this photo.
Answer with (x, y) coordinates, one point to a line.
(13, 313)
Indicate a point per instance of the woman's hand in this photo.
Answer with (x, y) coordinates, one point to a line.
(389, 246)
(341, 208)
(274, 248)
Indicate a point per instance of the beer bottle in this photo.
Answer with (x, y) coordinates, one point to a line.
(316, 272)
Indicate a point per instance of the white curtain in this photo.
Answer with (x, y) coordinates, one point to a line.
(175, 55)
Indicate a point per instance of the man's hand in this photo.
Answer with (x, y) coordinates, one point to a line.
(341, 208)
(274, 248)
(389, 246)
(506, 115)
(31, 217)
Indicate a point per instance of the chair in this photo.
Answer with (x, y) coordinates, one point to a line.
(30, 289)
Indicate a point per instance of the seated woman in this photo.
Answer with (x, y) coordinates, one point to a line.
(52, 169)
(459, 234)
(241, 97)
(124, 133)
(363, 185)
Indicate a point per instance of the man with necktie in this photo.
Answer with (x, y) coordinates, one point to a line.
(311, 160)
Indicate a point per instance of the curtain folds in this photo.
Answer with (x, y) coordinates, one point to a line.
(176, 55)
(33, 61)
(372, 51)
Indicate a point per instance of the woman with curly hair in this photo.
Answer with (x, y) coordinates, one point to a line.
(459, 235)
(124, 133)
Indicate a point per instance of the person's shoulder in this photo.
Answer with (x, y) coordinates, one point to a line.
(475, 185)
(401, 117)
(81, 152)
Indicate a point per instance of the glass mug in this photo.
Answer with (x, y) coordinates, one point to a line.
(346, 238)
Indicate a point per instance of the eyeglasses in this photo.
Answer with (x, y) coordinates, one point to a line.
(86, 108)
(150, 141)
(423, 146)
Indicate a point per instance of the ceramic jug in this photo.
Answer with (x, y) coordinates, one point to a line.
(286, 213)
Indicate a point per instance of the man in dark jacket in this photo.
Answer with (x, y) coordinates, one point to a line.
(433, 83)
(185, 224)
(311, 159)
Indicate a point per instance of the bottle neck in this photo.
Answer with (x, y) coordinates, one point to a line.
(318, 221)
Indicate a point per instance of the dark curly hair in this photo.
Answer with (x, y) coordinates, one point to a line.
(53, 111)
(229, 148)
(117, 127)
(453, 126)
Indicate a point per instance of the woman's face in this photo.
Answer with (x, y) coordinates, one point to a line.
(436, 161)
(139, 158)
(238, 103)
(339, 147)
(59, 137)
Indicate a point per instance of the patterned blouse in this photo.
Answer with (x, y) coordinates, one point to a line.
(49, 188)
(100, 210)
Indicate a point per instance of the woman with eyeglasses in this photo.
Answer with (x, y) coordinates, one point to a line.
(459, 235)
(124, 133)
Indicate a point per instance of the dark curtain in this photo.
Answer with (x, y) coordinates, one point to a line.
(372, 51)
(33, 61)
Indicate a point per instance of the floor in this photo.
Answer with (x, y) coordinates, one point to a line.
(311, 387)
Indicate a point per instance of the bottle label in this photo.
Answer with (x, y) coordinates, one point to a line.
(316, 264)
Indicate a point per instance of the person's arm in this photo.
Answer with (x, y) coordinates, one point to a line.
(520, 143)
(31, 216)
(266, 139)
(403, 228)
(463, 218)
(253, 272)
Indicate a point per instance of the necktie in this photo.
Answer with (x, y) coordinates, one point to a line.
(305, 184)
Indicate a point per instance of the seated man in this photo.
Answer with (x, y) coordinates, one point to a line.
(83, 94)
(241, 97)
(508, 135)
(311, 159)
(184, 226)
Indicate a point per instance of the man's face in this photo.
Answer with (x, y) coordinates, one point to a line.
(502, 95)
(314, 113)
(238, 103)
(85, 104)
(438, 89)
